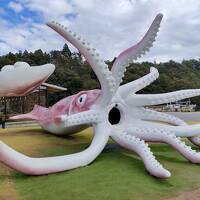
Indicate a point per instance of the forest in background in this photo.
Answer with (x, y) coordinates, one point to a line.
(74, 73)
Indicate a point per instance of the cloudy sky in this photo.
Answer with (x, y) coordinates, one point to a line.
(110, 25)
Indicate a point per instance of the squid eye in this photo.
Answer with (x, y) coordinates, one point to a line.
(81, 99)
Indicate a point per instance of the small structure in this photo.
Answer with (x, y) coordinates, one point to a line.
(181, 106)
(177, 106)
(10, 106)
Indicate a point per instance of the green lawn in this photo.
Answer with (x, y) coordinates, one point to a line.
(115, 175)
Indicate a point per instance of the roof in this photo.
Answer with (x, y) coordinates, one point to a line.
(53, 88)
(50, 88)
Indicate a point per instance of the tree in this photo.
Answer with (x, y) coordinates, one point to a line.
(75, 74)
(66, 51)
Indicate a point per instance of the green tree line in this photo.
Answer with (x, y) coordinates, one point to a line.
(74, 73)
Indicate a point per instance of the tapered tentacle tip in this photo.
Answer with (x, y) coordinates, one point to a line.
(50, 23)
(162, 174)
(53, 24)
(159, 16)
(165, 174)
(194, 157)
(152, 69)
(157, 170)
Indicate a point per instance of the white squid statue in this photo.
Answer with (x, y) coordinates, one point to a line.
(113, 111)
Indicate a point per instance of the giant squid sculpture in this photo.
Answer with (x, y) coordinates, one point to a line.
(113, 111)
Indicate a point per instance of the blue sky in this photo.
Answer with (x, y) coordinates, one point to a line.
(111, 26)
(10, 12)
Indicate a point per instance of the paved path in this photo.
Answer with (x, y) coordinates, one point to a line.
(192, 195)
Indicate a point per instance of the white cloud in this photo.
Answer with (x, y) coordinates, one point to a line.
(17, 7)
(49, 9)
(111, 26)
(28, 37)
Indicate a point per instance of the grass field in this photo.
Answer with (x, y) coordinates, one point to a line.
(115, 175)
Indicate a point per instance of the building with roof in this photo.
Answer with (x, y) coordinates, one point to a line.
(10, 106)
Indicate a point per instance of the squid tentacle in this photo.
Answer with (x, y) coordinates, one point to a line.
(163, 117)
(98, 65)
(180, 131)
(134, 52)
(86, 117)
(169, 137)
(139, 84)
(135, 144)
(40, 166)
(155, 99)
(148, 114)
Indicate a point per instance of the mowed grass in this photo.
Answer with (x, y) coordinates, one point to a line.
(116, 174)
